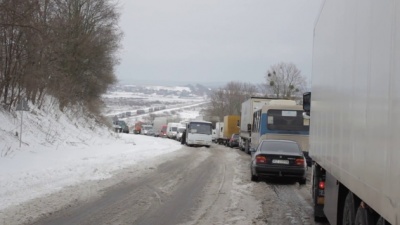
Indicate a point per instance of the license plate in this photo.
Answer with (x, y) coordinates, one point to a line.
(280, 161)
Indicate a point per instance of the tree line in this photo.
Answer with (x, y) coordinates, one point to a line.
(63, 48)
(282, 81)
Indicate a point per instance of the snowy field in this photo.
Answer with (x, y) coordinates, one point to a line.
(121, 101)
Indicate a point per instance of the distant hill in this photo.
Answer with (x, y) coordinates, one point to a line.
(180, 91)
(170, 83)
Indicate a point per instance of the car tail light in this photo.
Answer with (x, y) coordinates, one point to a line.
(299, 162)
(321, 185)
(261, 159)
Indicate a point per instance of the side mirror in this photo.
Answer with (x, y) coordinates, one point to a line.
(307, 102)
(252, 150)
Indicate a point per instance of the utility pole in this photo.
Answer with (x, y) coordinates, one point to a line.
(22, 106)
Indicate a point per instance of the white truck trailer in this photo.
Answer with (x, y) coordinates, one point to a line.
(246, 120)
(158, 123)
(355, 112)
(219, 132)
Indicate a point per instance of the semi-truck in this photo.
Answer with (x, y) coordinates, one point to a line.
(354, 110)
(246, 119)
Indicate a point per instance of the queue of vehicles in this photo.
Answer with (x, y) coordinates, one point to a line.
(274, 132)
(351, 123)
(192, 132)
(264, 118)
(349, 128)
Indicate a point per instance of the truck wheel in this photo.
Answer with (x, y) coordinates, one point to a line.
(302, 181)
(348, 210)
(247, 147)
(381, 221)
(363, 217)
(247, 150)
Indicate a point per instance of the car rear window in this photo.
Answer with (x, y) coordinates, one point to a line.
(287, 147)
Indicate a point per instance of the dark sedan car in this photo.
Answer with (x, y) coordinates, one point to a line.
(233, 141)
(278, 158)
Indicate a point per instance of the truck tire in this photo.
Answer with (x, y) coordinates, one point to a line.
(381, 221)
(246, 147)
(302, 181)
(349, 210)
(363, 217)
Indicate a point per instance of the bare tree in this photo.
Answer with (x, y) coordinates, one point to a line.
(87, 41)
(283, 80)
(65, 48)
(228, 99)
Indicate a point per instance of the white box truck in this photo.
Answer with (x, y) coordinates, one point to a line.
(246, 120)
(355, 112)
(158, 123)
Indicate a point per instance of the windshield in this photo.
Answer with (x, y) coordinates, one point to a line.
(121, 123)
(200, 128)
(281, 146)
(147, 127)
(291, 120)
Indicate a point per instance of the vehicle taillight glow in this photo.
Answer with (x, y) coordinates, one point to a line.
(299, 162)
(261, 159)
(321, 185)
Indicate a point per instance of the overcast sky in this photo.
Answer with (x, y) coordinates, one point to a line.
(214, 40)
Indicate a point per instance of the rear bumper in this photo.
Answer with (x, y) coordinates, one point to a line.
(279, 171)
(234, 144)
(198, 142)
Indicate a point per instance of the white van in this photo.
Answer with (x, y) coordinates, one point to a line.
(146, 128)
(172, 129)
(199, 133)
